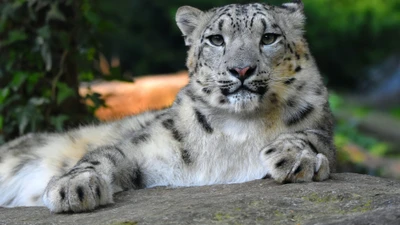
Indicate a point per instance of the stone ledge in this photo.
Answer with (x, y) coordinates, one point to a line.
(344, 199)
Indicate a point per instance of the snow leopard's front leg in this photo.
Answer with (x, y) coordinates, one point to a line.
(299, 157)
(92, 181)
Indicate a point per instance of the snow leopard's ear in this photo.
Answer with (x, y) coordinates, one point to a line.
(295, 5)
(293, 13)
(188, 19)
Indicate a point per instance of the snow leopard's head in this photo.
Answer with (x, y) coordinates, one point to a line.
(243, 57)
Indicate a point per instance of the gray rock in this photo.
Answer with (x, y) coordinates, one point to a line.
(344, 199)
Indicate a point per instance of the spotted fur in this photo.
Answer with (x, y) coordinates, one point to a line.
(255, 107)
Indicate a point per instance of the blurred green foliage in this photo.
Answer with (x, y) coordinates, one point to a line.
(347, 134)
(348, 37)
(44, 45)
(346, 129)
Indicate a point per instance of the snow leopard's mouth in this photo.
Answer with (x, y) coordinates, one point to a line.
(260, 90)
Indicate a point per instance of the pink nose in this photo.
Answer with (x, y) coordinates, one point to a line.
(242, 71)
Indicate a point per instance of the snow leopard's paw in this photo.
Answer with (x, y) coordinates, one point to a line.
(79, 190)
(290, 159)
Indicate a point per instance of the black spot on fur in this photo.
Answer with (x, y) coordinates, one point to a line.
(291, 102)
(220, 24)
(298, 69)
(191, 95)
(300, 115)
(203, 121)
(62, 194)
(273, 98)
(186, 156)
(24, 161)
(35, 198)
(89, 167)
(267, 176)
(169, 124)
(290, 81)
(261, 90)
(17, 168)
(160, 115)
(137, 179)
(298, 170)
(143, 137)
(312, 146)
(269, 151)
(95, 163)
(280, 163)
(264, 23)
(225, 91)
(64, 165)
(73, 137)
(301, 86)
(111, 158)
(9, 201)
(98, 192)
(318, 91)
(120, 151)
(178, 100)
(81, 194)
(206, 90)
(73, 171)
(290, 48)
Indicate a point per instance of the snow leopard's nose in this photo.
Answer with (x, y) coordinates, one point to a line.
(242, 73)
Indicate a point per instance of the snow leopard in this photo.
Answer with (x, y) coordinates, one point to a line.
(255, 107)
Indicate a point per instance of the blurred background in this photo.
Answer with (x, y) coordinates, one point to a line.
(64, 63)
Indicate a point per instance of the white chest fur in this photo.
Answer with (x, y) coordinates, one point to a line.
(229, 155)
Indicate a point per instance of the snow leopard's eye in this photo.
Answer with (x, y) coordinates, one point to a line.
(269, 38)
(216, 40)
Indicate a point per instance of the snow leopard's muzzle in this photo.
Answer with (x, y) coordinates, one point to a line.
(245, 81)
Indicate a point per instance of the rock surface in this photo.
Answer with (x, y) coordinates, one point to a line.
(344, 199)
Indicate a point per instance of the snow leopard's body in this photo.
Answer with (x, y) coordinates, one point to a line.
(255, 106)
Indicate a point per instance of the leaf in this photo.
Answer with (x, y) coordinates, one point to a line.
(44, 32)
(64, 92)
(58, 121)
(90, 54)
(64, 39)
(86, 76)
(1, 123)
(32, 80)
(37, 101)
(14, 36)
(335, 101)
(23, 121)
(18, 79)
(3, 94)
(46, 55)
(54, 13)
(395, 112)
(379, 149)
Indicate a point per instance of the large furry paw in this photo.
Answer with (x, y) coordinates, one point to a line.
(79, 190)
(290, 159)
